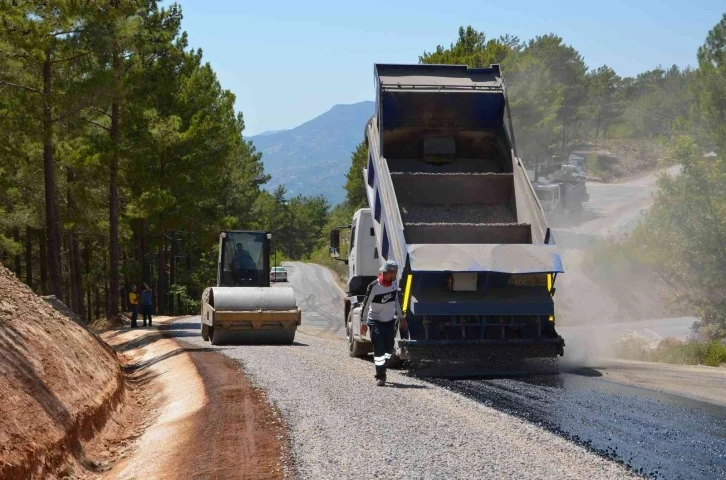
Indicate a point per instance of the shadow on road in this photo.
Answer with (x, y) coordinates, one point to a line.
(153, 361)
(582, 371)
(181, 326)
(151, 337)
(405, 385)
(253, 345)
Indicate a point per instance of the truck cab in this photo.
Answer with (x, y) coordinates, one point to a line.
(363, 262)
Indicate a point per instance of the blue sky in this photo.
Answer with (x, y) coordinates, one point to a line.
(289, 61)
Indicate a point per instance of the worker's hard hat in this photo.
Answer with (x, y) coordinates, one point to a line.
(389, 266)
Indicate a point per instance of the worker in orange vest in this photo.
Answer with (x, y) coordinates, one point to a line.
(134, 301)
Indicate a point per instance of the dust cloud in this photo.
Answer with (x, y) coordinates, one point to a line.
(594, 311)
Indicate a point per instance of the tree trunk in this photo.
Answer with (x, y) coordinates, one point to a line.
(162, 274)
(162, 281)
(43, 289)
(125, 288)
(87, 261)
(76, 256)
(113, 195)
(52, 223)
(145, 267)
(106, 293)
(98, 302)
(145, 274)
(18, 258)
(29, 257)
(70, 285)
(74, 252)
(172, 271)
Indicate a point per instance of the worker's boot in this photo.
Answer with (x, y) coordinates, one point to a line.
(381, 380)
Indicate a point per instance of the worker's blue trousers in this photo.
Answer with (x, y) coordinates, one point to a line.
(382, 336)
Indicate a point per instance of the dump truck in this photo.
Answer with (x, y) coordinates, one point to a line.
(450, 201)
(561, 188)
(243, 307)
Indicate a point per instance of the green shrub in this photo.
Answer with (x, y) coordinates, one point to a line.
(671, 350)
(632, 348)
(715, 354)
(184, 304)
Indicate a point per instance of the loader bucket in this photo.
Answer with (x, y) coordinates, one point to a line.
(250, 315)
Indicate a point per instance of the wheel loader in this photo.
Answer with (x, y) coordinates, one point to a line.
(243, 308)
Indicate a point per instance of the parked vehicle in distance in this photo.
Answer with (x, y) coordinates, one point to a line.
(560, 187)
(278, 274)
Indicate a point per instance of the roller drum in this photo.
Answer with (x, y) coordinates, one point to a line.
(249, 315)
(252, 298)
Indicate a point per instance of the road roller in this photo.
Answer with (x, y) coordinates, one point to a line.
(243, 308)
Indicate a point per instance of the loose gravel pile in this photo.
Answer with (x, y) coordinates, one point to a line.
(460, 165)
(469, 213)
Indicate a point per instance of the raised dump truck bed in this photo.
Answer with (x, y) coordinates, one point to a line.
(452, 204)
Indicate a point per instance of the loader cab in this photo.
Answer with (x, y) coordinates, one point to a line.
(363, 260)
(244, 259)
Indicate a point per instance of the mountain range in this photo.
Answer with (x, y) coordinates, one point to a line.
(313, 158)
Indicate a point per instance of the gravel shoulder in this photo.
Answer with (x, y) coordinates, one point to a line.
(343, 426)
(203, 419)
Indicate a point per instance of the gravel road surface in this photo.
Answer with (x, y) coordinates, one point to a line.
(319, 296)
(343, 426)
(613, 209)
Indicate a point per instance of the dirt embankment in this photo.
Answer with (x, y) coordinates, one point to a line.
(131, 403)
(59, 384)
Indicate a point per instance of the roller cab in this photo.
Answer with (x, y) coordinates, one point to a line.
(244, 307)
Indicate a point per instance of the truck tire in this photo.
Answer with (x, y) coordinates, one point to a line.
(355, 348)
(205, 332)
(394, 362)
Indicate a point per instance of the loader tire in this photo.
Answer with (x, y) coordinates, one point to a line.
(205, 332)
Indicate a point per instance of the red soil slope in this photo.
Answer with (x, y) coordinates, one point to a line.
(58, 384)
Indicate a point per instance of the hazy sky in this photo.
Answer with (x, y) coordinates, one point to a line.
(288, 61)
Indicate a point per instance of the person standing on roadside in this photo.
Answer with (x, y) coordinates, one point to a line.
(146, 303)
(134, 302)
(380, 308)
